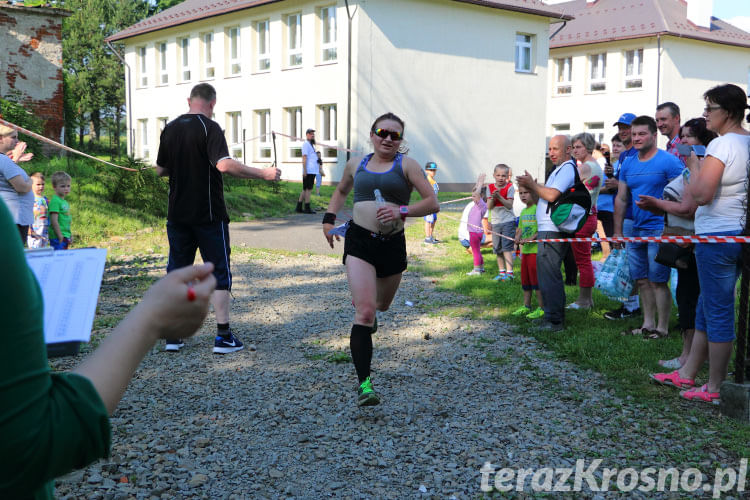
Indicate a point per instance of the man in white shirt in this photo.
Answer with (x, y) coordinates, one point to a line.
(550, 255)
(310, 169)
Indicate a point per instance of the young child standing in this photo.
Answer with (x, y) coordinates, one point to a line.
(59, 212)
(476, 232)
(503, 221)
(430, 169)
(37, 237)
(525, 233)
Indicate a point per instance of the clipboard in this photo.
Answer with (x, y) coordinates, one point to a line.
(70, 281)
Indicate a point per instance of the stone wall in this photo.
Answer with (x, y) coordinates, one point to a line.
(31, 62)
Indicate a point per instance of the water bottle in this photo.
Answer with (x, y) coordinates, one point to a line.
(380, 202)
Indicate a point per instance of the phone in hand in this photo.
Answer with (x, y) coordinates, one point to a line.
(686, 149)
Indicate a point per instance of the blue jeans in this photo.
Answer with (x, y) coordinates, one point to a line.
(718, 270)
(641, 258)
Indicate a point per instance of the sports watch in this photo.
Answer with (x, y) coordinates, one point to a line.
(404, 211)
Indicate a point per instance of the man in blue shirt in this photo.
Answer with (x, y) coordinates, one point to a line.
(646, 174)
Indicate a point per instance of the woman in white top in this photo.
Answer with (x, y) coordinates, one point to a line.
(719, 188)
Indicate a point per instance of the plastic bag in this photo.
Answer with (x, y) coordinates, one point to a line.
(614, 277)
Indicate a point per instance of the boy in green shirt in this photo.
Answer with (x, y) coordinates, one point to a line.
(525, 233)
(59, 213)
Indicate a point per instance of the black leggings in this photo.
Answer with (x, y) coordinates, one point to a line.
(688, 289)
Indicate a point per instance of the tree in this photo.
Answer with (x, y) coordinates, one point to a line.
(94, 81)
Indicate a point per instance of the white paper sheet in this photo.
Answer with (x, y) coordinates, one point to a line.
(70, 282)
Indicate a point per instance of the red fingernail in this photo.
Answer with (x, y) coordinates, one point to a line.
(190, 294)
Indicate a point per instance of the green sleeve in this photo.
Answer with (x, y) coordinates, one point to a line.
(50, 423)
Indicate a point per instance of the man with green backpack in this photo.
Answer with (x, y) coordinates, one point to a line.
(560, 204)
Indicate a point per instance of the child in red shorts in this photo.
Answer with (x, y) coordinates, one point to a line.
(525, 233)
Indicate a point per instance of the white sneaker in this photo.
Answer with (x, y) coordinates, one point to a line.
(475, 272)
(174, 345)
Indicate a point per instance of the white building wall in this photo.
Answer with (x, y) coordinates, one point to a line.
(687, 69)
(583, 106)
(691, 67)
(313, 83)
(447, 69)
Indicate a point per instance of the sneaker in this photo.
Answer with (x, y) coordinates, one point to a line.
(430, 240)
(475, 272)
(621, 313)
(536, 313)
(508, 277)
(174, 345)
(499, 277)
(366, 394)
(225, 345)
(548, 326)
(576, 307)
(523, 310)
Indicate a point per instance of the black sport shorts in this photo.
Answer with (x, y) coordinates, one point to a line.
(308, 181)
(386, 254)
(213, 242)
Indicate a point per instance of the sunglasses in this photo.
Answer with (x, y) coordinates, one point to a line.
(383, 133)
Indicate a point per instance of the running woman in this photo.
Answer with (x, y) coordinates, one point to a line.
(375, 247)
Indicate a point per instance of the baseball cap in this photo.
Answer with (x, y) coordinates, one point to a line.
(431, 165)
(625, 119)
(312, 130)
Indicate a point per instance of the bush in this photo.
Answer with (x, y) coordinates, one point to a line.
(14, 112)
(142, 190)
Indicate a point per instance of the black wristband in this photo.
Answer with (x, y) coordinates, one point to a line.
(329, 218)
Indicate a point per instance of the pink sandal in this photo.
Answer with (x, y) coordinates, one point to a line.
(701, 394)
(672, 379)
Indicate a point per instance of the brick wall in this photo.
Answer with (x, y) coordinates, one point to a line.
(31, 62)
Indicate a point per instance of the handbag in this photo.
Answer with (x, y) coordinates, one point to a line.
(673, 255)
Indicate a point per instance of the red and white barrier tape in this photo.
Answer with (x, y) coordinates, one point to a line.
(61, 146)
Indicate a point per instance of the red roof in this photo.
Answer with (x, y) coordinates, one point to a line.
(608, 20)
(194, 10)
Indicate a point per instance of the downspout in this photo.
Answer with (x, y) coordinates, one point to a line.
(558, 30)
(130, 101)
(658, 66)
(350, 17)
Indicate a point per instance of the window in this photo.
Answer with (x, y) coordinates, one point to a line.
(161, 123)
(161, 63)
(263, 126)
(264, 46)
(294, 128)
(327, 128)
(294, 39)
(596, 129)
(634, 69)
(183, 46)
(143, 138)
(598, 75)
(207, 56)
(142, 66)
(328, 33)
(563, 85)
(524, 45)
(233, 51)
(561, 128)
(234, 134)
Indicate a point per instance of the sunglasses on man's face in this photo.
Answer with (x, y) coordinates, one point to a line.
(383, 133)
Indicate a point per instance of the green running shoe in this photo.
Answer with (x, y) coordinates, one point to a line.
(366, 395)
(523, 310)
(538, 313)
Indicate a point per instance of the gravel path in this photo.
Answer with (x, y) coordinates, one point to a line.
(281, 422)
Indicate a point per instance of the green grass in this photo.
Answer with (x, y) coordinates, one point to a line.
(589, 341)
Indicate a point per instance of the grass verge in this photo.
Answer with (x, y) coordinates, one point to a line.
(589, 341)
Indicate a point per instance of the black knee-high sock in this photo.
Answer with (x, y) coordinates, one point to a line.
(360, 342)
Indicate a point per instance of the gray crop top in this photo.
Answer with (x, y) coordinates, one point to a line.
(392, 184)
